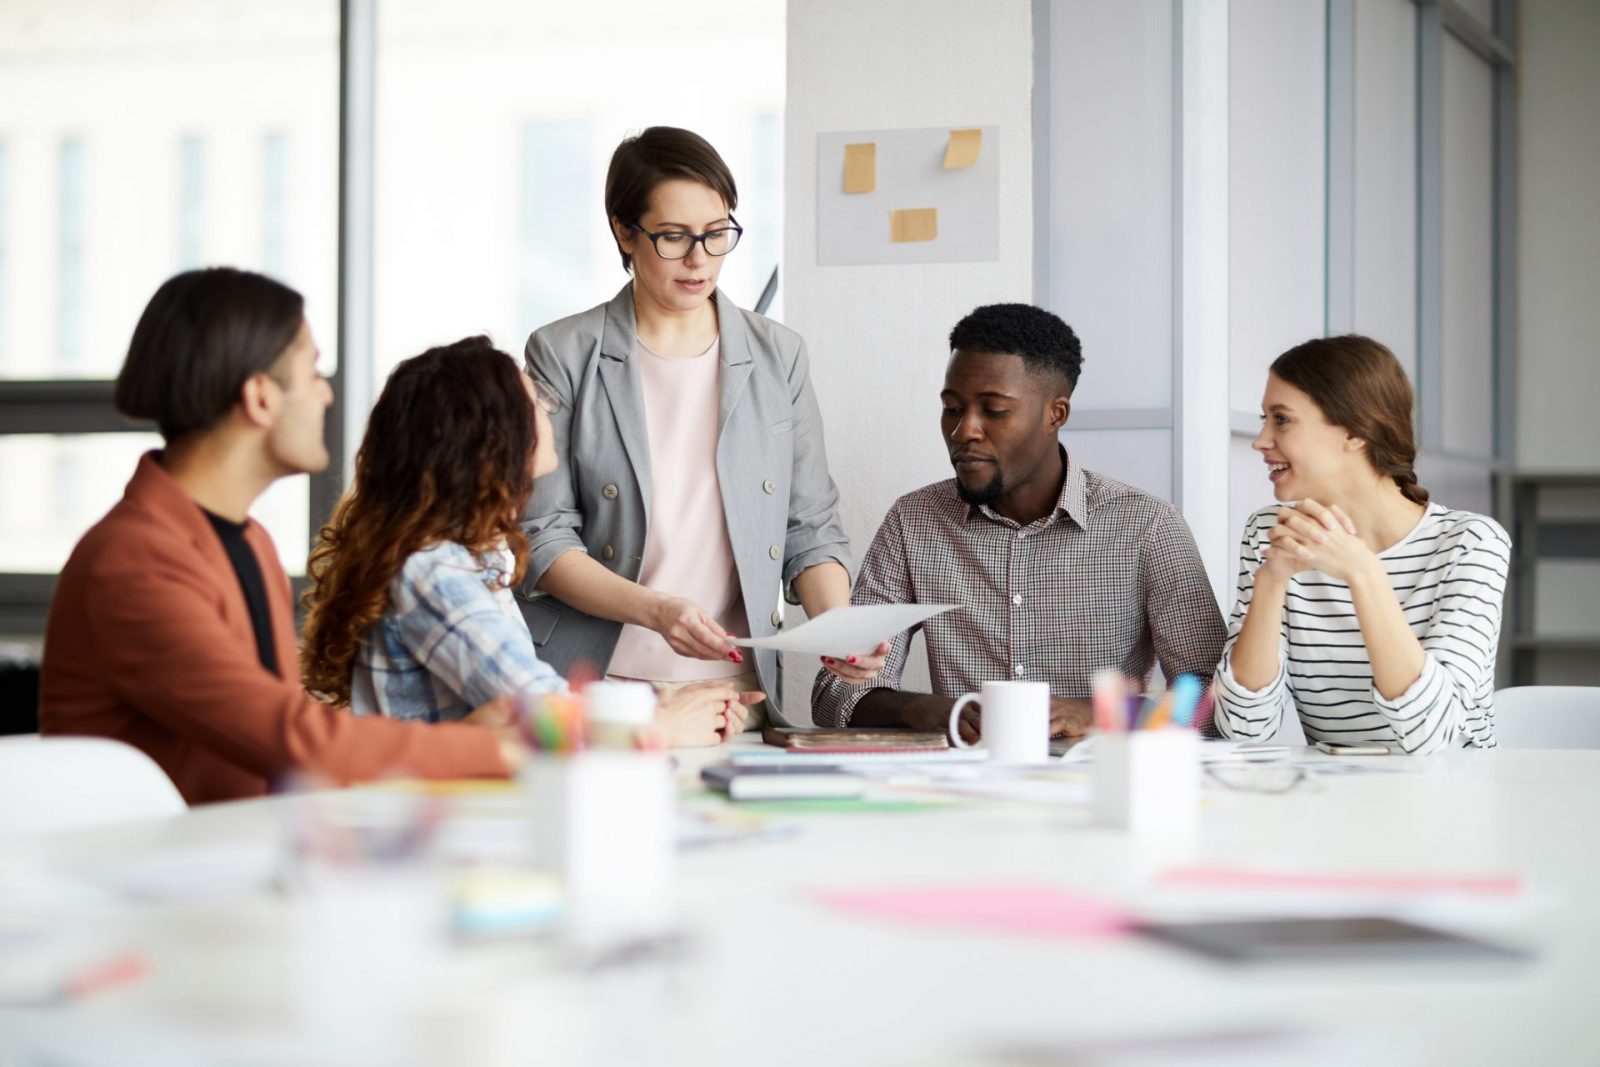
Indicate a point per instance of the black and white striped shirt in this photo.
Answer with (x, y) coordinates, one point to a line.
(1449, 575)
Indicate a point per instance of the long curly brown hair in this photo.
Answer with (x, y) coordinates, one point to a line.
(447, 456)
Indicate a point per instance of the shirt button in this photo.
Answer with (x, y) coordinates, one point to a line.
(777, 618)
(609, 492)
(1021, 534)
(1017, 670)
(608, 552)
(769, 487)
(1016, 598)
(775, 552)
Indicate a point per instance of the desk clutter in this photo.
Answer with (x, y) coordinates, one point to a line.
(611, 857)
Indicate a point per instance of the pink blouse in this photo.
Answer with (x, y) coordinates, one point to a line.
(686, 548)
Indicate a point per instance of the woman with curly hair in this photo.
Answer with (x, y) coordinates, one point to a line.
(411, 614)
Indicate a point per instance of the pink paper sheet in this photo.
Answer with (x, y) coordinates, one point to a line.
(1038, 911)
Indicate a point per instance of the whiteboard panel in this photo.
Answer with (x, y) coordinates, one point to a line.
(1277, 108)
(1386, 176)
(1109, 231)
(855, 227)
(1468, 328)
(1140, 458)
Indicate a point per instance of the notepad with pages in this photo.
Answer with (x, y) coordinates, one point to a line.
(795, 739)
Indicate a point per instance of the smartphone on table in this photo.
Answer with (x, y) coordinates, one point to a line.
(1356, 748)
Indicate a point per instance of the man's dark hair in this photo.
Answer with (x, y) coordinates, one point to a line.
(1044, 342)
(202, 336)
(659, 154)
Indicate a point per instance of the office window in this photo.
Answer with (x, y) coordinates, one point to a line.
(141, 140)
(57, 486)
(496, 122)
(553, 264)
(140, 152)
(69, 295)
(191, 203)
(765, 217)
(275, 204)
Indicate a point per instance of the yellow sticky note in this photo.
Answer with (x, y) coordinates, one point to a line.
(860, 167)
(962, 149)
(913, 224)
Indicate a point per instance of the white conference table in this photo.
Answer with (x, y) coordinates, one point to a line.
(771, 976)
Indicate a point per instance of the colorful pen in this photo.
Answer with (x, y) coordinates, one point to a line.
(1186, 691)
(1108, 697)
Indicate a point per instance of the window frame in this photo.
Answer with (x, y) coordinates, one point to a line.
(84, 406)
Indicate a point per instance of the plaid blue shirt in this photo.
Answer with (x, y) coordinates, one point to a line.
(451, 640)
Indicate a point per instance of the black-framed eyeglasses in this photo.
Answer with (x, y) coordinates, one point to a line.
(676, 244)
(1270, 778)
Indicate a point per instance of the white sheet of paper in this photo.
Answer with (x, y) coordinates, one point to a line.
(848, 631)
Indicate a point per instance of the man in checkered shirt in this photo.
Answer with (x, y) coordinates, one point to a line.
(1059, 572)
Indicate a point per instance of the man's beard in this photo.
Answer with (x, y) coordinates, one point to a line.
(983, 494)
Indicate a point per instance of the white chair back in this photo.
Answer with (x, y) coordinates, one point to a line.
(63, 783)
(1547, 716)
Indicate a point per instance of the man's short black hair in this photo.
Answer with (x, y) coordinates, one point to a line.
(202, 336)
(1044, 342)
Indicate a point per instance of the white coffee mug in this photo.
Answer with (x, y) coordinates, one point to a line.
(1016, 721)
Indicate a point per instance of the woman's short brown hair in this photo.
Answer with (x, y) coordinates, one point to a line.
(658, 154)
(1360, 386)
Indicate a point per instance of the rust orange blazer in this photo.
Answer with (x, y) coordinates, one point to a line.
(149, 642)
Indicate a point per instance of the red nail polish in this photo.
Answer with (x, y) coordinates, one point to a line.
(828, 661)
(852, 659)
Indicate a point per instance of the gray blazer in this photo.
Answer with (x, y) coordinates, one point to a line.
(782, 507)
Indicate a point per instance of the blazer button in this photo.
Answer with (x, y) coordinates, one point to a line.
(610, 493)
(769, 486)
(775, 552)
(608, 552)
(777, 618)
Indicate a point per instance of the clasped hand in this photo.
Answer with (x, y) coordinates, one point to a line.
(1316, 537)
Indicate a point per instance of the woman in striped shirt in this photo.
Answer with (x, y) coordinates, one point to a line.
(1372, 612)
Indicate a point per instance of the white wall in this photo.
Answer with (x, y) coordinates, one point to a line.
(1558, 258)
(878, 334)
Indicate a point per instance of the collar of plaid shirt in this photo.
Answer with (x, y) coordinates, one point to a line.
(1072, 501)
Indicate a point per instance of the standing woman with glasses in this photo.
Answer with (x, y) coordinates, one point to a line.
(695, 496)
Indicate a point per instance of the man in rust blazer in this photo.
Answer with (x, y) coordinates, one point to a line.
(172, 627)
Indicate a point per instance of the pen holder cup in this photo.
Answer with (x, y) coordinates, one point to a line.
(367, 915)
(605, 823)
(1148, 781)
